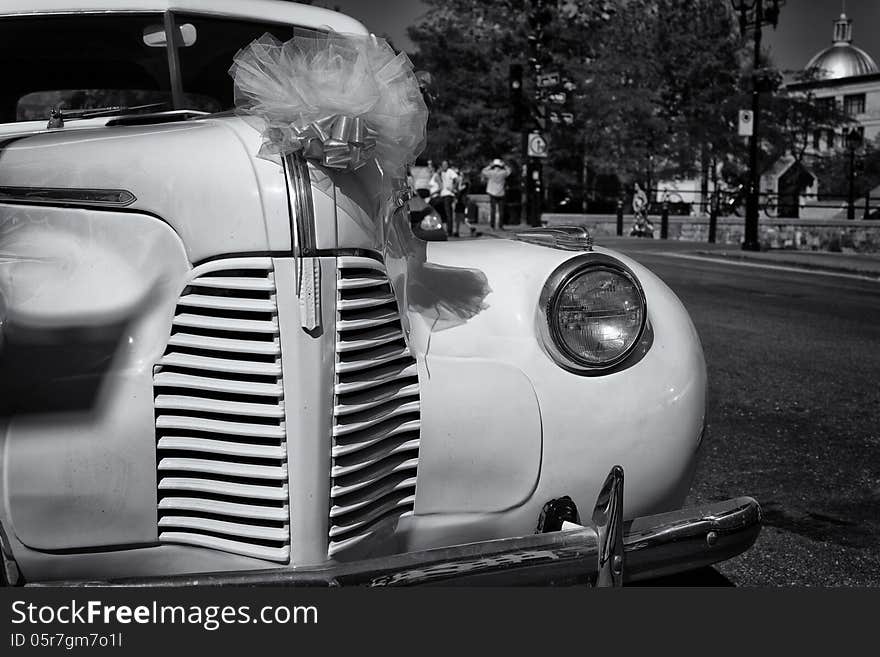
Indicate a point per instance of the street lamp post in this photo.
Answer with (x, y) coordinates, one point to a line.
(853, 140)
(761, 14)
(539, 14)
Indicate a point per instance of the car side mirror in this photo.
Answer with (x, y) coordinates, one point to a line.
(154, 35)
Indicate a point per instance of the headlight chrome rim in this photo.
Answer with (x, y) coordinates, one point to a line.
(553, 288)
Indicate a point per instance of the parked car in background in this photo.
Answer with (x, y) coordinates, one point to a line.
(219, 368)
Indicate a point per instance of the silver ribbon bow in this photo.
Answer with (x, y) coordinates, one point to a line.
(338, 141)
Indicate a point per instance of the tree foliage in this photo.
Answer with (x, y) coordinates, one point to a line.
(657, 84)
(651, 77)
(795, 115)
(833, 172)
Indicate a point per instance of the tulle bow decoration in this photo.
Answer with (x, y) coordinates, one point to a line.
(342, 100)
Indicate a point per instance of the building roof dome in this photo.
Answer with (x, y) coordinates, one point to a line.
(842, 59)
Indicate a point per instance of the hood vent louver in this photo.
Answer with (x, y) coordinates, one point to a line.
(220, 428)
(376, 415)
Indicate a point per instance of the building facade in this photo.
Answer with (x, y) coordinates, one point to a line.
(845, 75)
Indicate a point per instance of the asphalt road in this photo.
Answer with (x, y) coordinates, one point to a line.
(794, 411)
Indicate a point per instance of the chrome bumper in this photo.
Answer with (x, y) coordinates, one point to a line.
(605, 552)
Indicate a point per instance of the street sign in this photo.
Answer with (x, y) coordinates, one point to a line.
(537, 145)
(548, 80)
(540, 115)
(746, 123)
(558, 98)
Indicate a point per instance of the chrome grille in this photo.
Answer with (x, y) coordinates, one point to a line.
(376, 423)
(221, 439)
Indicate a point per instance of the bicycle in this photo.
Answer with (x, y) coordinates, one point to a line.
(734, 202)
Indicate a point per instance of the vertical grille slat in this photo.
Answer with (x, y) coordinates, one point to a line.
(376, 412)
(220, 429)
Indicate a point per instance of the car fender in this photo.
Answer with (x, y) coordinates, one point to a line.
(481, 431)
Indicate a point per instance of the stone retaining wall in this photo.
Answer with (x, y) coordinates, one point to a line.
(859, 236)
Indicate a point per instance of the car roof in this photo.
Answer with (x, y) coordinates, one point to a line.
(276, 11)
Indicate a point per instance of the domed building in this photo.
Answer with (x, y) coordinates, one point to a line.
(846, 75)
(842, 59)
(841, 75)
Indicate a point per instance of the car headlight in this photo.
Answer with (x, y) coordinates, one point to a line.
(431, 222)
(592, 313)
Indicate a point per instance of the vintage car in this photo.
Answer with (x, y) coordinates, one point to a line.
(217, 368)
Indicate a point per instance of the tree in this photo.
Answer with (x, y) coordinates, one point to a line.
(652, 84)
(666, 89)
(832, 170)
(468, 46)
(795, 115)
(466, 52)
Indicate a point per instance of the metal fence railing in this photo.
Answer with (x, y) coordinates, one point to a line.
(664, 204)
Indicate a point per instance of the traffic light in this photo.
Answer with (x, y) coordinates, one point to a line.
(771, 13)
(516, 96)
(540, 14)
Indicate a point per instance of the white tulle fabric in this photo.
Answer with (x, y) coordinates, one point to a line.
(343, 100)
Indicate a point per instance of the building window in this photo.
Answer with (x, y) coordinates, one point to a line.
(826, 105)
(854, 104)
(829, 138)
(817, 140)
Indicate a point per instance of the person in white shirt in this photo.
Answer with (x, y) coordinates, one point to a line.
(449, 183)
(496, 181)
(433, 181)
(421, 175)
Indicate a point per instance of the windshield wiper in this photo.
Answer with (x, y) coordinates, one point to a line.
(104, 111)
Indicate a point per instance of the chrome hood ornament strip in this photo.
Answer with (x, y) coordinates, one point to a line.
(567, 238)
(118, 198)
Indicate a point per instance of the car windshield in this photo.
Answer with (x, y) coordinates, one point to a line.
(103, 64)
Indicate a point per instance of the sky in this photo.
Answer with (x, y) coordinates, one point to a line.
(383, 17)
(805, 26)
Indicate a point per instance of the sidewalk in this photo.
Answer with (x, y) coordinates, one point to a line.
(864, 264)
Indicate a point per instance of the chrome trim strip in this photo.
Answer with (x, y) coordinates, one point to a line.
(299, 189)
(654, 546)
(308, 290)
(114, 198)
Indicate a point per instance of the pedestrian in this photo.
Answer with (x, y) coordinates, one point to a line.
(461, 201)
(642, 226)
(433, 181)
(450, 181)
(421, 179)
(495, 175)
(434, 187)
